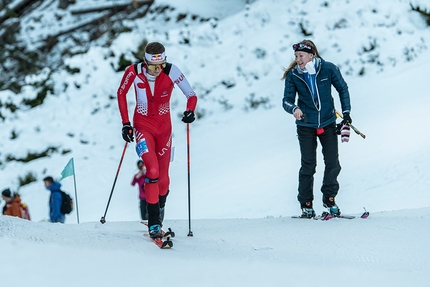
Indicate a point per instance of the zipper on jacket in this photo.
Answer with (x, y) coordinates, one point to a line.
(310, 91)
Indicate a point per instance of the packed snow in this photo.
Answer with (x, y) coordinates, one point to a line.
(244, 160)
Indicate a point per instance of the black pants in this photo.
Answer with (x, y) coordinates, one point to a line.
(143, 210)
(156, 211)
(308, 147)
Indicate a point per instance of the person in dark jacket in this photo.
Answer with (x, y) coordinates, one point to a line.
(310, 78)
(55, 200)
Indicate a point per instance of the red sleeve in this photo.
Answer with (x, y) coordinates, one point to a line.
(126, 82)
(134, 181)
(191, 103)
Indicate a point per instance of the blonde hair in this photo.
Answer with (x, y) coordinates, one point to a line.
(293, 63)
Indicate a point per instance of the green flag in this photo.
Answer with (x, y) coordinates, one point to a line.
(68, 170)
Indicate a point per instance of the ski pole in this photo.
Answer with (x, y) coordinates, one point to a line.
(190, 233)
(103, 220)
(339, 115)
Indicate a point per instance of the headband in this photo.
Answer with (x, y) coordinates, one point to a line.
(303, 47)
(155, 57)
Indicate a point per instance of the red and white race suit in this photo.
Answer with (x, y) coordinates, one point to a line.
(151, 121)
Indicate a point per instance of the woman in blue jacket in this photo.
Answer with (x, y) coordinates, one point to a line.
(55, 200)
(309, 78)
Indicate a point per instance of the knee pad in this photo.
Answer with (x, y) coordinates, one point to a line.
(150, 180)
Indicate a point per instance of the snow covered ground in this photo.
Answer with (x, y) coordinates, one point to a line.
(244, 161)
(387, 249)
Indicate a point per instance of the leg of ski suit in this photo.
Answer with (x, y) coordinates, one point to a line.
(157, 161)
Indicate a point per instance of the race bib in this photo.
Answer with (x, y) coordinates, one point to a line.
(141, 147)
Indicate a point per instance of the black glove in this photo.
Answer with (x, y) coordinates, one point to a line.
(127, 132)
(338, 128)
(304, 118)
(346, 119)
(188, 117)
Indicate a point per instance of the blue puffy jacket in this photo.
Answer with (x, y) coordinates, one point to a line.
(323, 114)
(55, 202)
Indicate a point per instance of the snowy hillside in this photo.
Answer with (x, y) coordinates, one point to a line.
(244, 150)
(234, 64)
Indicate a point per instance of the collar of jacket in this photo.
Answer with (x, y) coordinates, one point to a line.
(318, 62)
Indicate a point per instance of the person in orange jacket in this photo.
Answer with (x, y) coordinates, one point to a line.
(13, 206)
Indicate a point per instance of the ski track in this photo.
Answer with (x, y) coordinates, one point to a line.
(334, 242)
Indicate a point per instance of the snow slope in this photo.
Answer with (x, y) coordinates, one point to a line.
(387, 249)
(244, 161)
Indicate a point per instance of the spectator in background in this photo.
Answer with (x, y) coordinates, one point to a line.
(139, 178)
(55, 200)
(13, 205)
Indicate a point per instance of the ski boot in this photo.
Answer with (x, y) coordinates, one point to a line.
(307, 210)
(332, 206)
(155, 231)
(308, 213)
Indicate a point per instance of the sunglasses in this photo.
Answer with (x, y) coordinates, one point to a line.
(301, 46)
(153, 67)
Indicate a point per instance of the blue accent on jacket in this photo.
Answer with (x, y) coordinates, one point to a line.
(310, 81)
(55, 202)
(327, 74)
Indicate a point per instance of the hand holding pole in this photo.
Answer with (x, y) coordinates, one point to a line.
(339, 115)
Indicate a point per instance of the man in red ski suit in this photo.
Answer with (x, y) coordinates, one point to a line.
(153, 82)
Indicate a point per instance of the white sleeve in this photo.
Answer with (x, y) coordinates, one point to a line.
(179, 79)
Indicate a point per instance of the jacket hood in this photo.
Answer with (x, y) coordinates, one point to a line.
(54, 186)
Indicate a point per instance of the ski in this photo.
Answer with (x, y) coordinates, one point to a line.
(324, 216)
(165, 242)
(298, 216)
(327, 216)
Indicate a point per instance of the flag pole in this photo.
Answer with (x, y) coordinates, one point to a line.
(76, 192)
(68, 171)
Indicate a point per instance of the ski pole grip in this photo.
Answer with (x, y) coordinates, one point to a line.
(339, 115)
(304, 118)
